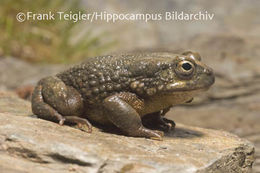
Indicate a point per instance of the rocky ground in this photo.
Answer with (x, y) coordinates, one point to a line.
(36, 145)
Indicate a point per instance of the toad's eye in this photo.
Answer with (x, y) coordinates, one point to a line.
(186, 66)
(184, 69)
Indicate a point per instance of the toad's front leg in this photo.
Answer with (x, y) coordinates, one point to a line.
(127, 119)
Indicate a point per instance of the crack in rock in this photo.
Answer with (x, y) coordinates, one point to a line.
(69, 154)
(64, 159)
(26, 153)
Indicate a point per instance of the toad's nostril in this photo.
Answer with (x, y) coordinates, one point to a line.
(208, 71)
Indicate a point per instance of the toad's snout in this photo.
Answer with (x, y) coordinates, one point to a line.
(209, 71)
(210, 76)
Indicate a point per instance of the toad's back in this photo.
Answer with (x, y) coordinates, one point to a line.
(100, 77)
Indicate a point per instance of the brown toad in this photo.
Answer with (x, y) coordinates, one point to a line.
(122, 90)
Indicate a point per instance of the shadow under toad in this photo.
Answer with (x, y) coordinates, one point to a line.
(179, 132)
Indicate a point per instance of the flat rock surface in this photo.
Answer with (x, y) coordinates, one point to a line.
(35, 145)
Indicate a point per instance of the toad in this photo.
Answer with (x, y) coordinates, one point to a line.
(126, 91)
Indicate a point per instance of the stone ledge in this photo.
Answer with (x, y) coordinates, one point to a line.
(35, 145)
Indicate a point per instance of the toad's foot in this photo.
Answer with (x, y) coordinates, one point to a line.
(156, 121)
(81, 123)
(148, 133)
(166, 124)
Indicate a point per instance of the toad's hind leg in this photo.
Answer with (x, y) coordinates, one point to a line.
(53, 100)
(125, 117)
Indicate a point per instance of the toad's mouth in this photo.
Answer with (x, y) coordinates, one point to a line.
(201, 84)
(190, 92)
(179, 87)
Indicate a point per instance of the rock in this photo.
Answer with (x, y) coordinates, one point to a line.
(238, 114)
(10, 104)
(17, 73)
(36, 145)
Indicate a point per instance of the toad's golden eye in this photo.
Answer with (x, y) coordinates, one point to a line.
(184, 69)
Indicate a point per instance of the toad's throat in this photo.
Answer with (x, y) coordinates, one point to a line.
(162, 101)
